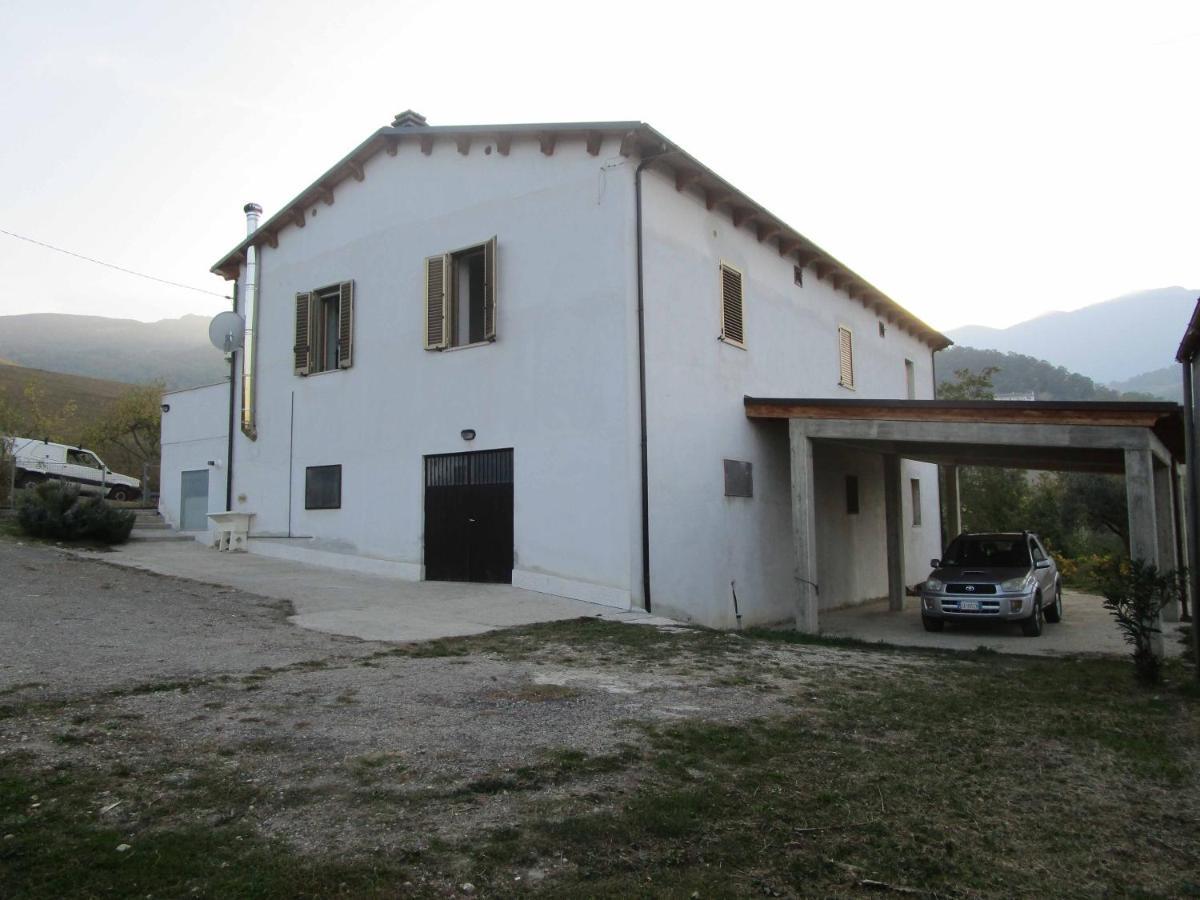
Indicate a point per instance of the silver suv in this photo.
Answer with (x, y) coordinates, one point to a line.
(1006, 577)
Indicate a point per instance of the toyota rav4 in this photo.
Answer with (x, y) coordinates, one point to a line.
(1003, 577)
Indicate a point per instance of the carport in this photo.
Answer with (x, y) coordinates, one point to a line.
(1142, 441)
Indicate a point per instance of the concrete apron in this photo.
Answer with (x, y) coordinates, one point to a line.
(371, 607)
(1087, 628)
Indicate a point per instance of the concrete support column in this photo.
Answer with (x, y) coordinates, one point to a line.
(893, 511)
(804, 527)
(1164, 508)
(952, 503)
(1143, 529)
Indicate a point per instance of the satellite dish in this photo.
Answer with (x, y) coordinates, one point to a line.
(227, 331)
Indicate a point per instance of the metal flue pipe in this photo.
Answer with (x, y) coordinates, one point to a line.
(250, 314)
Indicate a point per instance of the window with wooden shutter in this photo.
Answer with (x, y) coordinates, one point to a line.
(461, 297)
(436, 279)
(732, 307)
(345, 341)
(845, 357)
(303, 345)
(489, 290)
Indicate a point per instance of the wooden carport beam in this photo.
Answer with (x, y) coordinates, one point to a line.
(594, 141)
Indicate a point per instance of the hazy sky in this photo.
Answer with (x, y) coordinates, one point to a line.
(979, 162)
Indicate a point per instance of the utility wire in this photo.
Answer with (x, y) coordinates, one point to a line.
(186, 287)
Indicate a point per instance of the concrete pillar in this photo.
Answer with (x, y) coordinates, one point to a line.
(893, 512)
(952, 504)
(1143, 529)
(1164, 508)
(804, 527)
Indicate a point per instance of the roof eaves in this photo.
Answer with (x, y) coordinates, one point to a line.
(1190, 343)
(646, 142)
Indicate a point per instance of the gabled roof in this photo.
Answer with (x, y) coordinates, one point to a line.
(637, 139)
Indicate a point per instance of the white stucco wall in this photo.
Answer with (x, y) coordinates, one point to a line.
(702, 541)
(194, 434)
(558, 385)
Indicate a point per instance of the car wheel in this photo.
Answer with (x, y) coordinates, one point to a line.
(932, 624)
(118, 494)
(29, 483)
(1054, 613)
(1032, 627)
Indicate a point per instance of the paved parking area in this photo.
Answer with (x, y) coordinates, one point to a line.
(371, 607)
(1086, 627)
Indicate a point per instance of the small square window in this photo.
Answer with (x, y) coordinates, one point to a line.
(323, 487)
(852, 495)
(739, 478)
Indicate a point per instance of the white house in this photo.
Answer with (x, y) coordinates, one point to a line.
(522, 352)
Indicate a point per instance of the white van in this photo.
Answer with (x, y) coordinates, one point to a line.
(37, 461)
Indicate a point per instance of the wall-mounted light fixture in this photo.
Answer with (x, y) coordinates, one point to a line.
(166, 407)
(468, 434)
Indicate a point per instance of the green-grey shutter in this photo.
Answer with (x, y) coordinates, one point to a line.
(490, 291)
(303, 345)
(732, 309)
(436, 300)
(345, 324)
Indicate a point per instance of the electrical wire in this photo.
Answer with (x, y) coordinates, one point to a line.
(99, 262)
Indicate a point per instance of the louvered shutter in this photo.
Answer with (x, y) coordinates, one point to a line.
(732, 325)
(436, 278)
(490, 291)
(303, 346)
(846, 357)
(345, 324)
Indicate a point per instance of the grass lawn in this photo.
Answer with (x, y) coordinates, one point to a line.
(972, 775)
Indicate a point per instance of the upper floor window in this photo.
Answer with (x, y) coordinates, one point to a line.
(324, 329)
(733, 329)
(910, 379)
(845, 357)
(460, 297)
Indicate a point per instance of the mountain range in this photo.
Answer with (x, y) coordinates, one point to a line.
(1110, 342)
(175, 351)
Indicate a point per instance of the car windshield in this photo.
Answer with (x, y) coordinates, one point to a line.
(987, 551)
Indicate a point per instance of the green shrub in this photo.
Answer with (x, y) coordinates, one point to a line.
(55, 510)
(1136, 593)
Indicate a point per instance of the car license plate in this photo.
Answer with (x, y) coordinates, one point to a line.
(970, 605)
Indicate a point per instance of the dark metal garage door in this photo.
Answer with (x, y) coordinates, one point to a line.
(469, 516)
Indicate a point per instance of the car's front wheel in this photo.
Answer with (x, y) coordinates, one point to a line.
(119, 494)
(1054, 613)
(932, 624)
(1032, 627)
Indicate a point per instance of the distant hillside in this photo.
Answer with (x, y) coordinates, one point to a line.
(1019, 374)
(1110, 341)
(1166, 383)
(93, 397)
(175, 351)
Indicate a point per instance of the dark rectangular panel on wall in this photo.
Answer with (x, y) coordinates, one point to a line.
(739, 478)
(469, 516)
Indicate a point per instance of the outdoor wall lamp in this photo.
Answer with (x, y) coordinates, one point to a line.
(166, 407)
(468, 434)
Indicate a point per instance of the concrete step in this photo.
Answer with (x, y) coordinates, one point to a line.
(158, 534)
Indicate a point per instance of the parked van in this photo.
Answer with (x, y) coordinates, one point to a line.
(37, 461)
